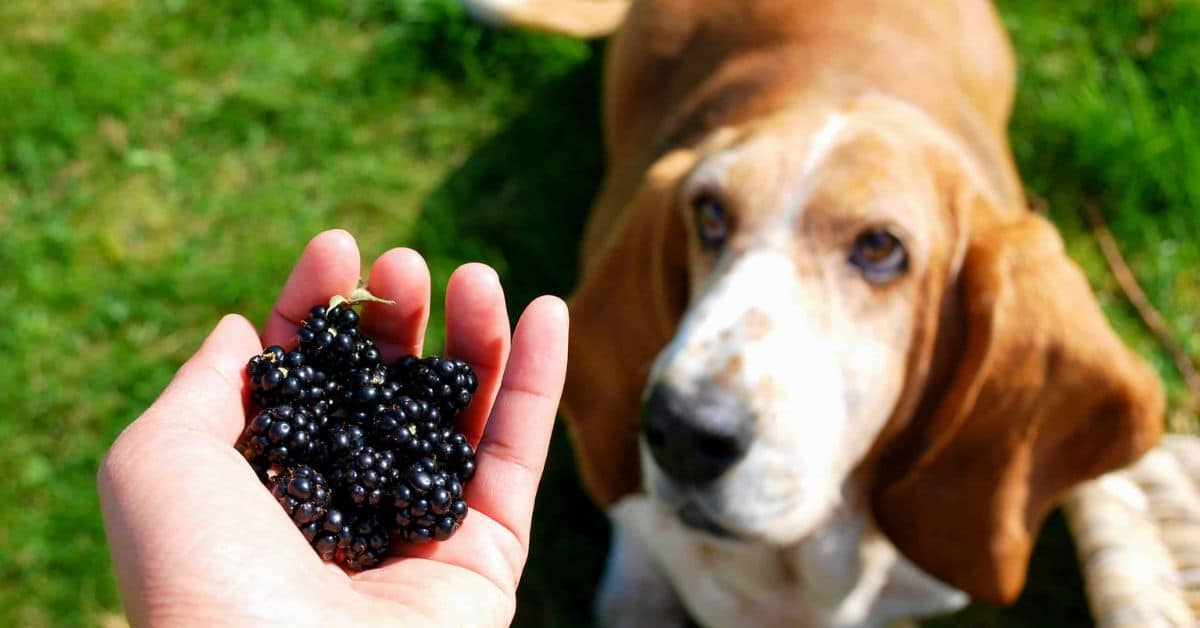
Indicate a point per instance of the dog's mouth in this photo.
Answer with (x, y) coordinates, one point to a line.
(688, 507)
(693, 517)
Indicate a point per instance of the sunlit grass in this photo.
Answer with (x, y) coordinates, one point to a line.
(164, 163)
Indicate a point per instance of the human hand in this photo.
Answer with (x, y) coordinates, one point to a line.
(197, 540)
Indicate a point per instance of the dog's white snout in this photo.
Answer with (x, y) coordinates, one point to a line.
(757, 339)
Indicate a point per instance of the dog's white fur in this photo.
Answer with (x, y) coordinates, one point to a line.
(822, 377)
(863, 581)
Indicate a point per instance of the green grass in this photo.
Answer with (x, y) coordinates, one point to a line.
(164, 163)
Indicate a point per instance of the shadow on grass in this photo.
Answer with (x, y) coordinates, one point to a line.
(519, 202)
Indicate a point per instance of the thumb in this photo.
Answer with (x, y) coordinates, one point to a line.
(208, 392)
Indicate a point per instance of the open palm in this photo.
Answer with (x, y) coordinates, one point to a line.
(195, 537)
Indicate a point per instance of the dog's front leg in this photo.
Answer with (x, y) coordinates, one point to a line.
(635, 592)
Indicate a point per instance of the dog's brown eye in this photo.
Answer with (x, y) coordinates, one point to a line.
(879, 255)
(711, 221)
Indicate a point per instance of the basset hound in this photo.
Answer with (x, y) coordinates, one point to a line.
(826, 367)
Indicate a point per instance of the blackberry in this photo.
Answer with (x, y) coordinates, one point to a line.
(428, 505)
(281, 435)
(270, 358)
(428, 445)
(368, 544)
(364, 354)
(457, 455)
(447, 383)
(329, 534)
(330, 337)
(430, 412)
(369, 389)
(340, 440)
(303, 494)
(278, 377)
(396, 426)
(448, 447)
(365, 476)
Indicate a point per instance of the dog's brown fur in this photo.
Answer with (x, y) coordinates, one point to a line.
(1016, 389)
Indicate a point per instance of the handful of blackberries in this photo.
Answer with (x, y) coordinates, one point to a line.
(359, 452)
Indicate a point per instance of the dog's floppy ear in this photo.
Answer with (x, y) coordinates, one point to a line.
(1041, 395)
(631, 296)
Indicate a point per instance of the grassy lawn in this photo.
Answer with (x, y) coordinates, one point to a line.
(163, 163)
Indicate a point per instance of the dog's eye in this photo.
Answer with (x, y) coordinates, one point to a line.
(879, 255)
(711, 221)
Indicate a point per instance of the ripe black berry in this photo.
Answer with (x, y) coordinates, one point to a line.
(428, 505)
(365, 476)
(282, 435)
(368, 546)
(278, 377)
(330, 339)
(369, 389)
(445, 382)
(340, 440)
(329, 534)
(458, 455)
(396, 427)
(302, 493)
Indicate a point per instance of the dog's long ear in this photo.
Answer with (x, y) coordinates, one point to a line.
(630, 298)
(1040, 396)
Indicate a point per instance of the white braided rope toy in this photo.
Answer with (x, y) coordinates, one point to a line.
(1137, 534)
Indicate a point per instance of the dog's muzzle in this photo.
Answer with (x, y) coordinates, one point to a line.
(696, 438)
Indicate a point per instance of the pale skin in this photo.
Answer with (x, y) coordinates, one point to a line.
(197, 540)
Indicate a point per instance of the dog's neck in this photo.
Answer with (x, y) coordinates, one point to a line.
(857, 577)
(844, 573)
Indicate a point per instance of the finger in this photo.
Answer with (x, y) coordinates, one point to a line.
(512, 453)
(328, 266)
(187, 519)
(208, 393)
(477, 332)
(398, 329)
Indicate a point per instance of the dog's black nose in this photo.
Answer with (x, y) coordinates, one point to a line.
(696, 439)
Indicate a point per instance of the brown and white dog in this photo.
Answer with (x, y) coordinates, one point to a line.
(826, 368)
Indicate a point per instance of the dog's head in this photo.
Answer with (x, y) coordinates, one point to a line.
(831, 301)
